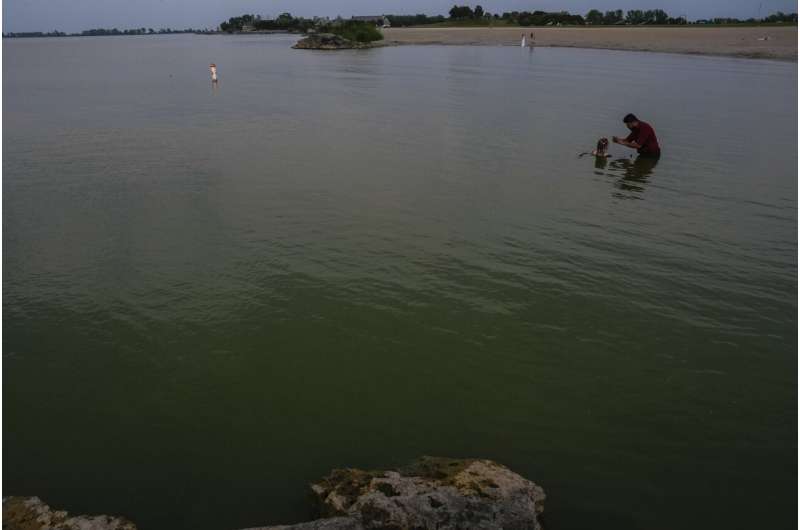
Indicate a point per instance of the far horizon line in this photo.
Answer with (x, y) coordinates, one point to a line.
(205, 28)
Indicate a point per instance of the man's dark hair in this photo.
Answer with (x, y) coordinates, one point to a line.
(629, 118)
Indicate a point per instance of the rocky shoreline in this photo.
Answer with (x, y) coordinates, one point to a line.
(30, 513)
(431, 493)
(329, 41)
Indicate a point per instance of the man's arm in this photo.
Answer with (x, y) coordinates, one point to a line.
(627, 143)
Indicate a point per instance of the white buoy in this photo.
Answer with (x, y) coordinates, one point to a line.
(213, 68)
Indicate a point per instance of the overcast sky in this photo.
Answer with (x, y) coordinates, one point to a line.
(75, 15)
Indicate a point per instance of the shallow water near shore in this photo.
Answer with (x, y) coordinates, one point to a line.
(212, 296)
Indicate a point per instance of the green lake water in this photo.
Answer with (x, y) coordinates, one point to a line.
(213, 296)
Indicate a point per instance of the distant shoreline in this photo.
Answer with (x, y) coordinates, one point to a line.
(751, 42)
(747, 42)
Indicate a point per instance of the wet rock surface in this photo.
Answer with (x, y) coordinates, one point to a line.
(432, 493)
(30, 513)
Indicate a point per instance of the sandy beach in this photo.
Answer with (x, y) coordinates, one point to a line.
(751, 42)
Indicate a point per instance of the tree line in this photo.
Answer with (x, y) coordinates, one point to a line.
(102, 32)
(519, 18)
(541, 18)
(632, 17)
(467, 15)
(284, 22)
(137, 31)
(596, 17)
(350, 29)
(457, 15)
(659, 16)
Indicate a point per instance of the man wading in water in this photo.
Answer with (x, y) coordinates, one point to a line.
(642, 137)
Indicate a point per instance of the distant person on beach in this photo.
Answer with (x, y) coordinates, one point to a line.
(642, 137)
(213, 68)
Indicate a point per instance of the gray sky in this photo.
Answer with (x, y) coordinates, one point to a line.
(75, 15)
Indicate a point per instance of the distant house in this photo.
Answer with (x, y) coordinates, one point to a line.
(248, 27)
(381, 21)
(375, 20)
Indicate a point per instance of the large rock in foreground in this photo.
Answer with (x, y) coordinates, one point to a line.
(30, 513)
(432, 493)
(328, 41)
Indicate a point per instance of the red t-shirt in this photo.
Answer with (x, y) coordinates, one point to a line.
(645, 136)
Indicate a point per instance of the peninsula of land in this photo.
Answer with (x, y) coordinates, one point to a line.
(759, 42)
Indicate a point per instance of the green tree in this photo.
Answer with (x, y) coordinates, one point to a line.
(782, 17)
(594, 17)
(461, 12)
(612, 17)
(635, 16)
(355, 30)
(660, 16)
(655, 16)
(478, 12)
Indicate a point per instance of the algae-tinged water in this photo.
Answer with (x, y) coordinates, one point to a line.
(213, 296)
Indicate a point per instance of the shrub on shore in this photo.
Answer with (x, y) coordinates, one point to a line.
(355, 30)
